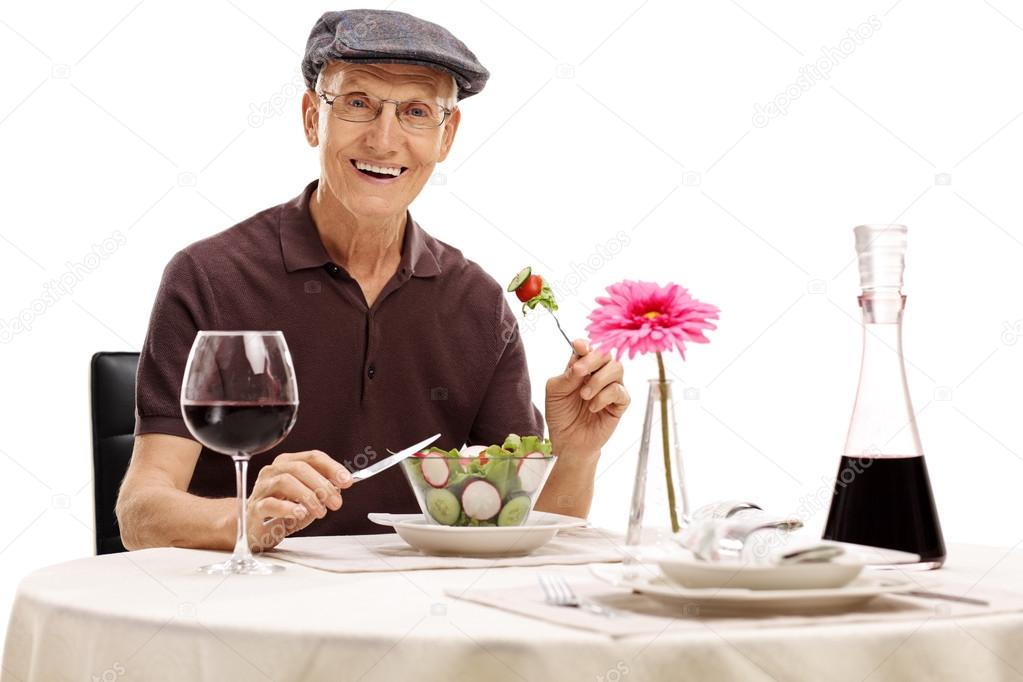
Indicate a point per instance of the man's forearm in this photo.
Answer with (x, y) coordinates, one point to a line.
(158, 516)
(569, 489)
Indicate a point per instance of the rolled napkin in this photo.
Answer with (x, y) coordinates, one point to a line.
(740, 531)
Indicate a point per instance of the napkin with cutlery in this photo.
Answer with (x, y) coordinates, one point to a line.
(735, 531)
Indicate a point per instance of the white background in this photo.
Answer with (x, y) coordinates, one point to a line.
(143, 119)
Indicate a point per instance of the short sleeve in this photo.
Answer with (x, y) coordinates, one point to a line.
(184, 305)
(507, 405)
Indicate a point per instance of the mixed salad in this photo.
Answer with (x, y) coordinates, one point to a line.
(532, 290)
(480, 485)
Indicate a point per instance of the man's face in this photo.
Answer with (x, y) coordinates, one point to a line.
(381, 142)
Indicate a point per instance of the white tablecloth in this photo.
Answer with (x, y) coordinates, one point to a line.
(149, 616)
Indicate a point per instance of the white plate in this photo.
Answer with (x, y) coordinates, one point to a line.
(486, 541)
(646, 579)
(688, 571)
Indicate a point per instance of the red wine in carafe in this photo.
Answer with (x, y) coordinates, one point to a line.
(884, 500)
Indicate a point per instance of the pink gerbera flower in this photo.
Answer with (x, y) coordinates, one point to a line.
(642, 317)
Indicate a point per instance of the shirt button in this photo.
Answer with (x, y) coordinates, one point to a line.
(372, 371)
(333, 269)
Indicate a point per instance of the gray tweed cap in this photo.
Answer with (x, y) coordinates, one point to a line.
(382, 36)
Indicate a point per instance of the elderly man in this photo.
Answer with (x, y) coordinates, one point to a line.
(394, 334)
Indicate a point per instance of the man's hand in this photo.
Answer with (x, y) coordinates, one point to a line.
(296, 489)
(585, 403)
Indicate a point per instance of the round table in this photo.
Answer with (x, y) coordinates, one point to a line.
(148, 615)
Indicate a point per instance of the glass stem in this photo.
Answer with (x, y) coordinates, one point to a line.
(664, 443)
(241, 544)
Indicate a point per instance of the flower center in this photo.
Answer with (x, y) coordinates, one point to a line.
(652, 315)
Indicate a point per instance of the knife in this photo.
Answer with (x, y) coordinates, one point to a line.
(388, 462)
(927, 594)
(385, 463)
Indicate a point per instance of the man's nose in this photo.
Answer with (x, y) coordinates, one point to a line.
(384, 127)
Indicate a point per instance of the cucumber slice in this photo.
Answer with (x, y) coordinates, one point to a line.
(520, 278)
(514, 511)
(443, 506)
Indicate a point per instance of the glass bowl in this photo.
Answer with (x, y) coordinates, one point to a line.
(477, 490)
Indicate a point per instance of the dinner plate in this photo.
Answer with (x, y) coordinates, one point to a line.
(647, 579)
(686, 570)
(486, 541)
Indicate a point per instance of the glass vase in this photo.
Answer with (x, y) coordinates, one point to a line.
(660, 502)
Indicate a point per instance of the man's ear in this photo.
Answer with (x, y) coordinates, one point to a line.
(450, 128)
(311, 118)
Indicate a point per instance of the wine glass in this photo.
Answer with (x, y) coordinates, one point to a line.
(239, 398)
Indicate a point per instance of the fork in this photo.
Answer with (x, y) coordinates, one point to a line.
(558, 592)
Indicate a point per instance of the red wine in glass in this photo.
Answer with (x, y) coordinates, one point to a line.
(239, 397)
(239, 427)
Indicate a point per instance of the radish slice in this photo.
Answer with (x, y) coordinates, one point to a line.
(532, 468)
(481, 501)
(470, 452)
(435, 470)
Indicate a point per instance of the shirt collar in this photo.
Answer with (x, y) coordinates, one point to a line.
(302, 248)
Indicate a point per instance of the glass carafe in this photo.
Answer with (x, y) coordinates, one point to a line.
(882, 491)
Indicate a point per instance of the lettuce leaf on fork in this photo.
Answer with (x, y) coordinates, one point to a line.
(545, 298)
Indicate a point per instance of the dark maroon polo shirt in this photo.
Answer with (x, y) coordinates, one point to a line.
(438, 351)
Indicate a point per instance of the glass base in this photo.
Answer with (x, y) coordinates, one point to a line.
(247, 566)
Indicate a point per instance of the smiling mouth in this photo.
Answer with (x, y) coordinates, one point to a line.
(376, 171)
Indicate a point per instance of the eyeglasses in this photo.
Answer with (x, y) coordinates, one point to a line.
(361, 108)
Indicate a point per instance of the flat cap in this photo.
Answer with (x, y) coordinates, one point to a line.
(382, 36)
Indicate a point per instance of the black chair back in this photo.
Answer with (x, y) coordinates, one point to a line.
(113, 428)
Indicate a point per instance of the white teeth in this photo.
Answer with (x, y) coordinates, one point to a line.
(362, 165)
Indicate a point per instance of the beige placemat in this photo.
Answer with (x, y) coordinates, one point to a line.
(641, 614)
(388, 552)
